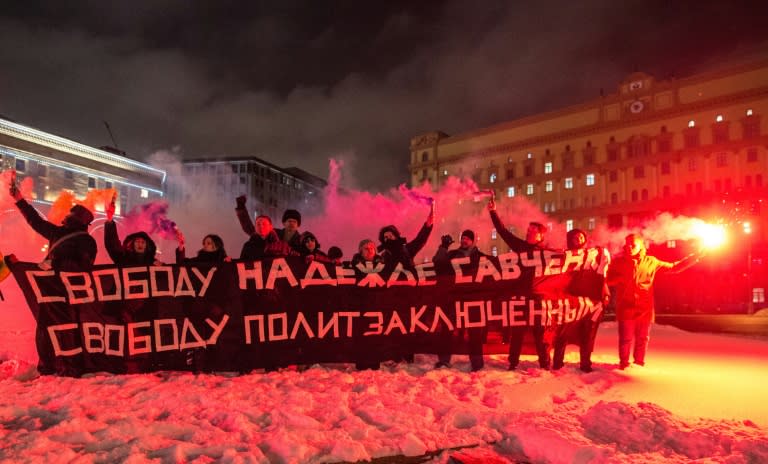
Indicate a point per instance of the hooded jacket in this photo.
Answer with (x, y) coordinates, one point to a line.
(400, 250)
(76, 253)
(123, 254)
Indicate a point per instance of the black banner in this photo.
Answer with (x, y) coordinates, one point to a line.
(240, 316)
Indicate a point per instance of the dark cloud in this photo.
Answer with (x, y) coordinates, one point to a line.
(298, 82)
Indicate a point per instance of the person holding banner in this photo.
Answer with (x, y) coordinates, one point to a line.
(291, 223)
(136, 249)
(265, 242)
(442, 260)
(366, 261)
(533, 245)
(71, 249)
(584, 282)
(632, 275)
(310, 249)
(212, 251)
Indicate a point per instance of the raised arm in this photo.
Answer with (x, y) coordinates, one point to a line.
(515, 243)
(244, 217)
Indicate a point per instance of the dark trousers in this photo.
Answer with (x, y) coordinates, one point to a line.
(517, 334)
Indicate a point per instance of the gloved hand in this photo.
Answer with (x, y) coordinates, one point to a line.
(445, 241)
(240, 202)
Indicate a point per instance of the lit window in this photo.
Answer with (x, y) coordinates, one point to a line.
(758, 295)
(548, 167)
(144, 193)
(510, 192)
(568, 225)
(445, 172)
(546, 207)
(548, 186)
(529, 189)
(749, 112)
(719, 118)
(530, 155)
(569, 182)
(493, 234)
(509, 159)
(590, 179)
(552, 207)
(691, 123)
(591, 224)
(492, 178)
(494, 251)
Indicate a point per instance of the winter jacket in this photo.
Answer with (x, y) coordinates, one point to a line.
(203, 256)
(633, 277)
(258, 247)
(123, 254)
(401, 251)
(76, 253)
(443, 257)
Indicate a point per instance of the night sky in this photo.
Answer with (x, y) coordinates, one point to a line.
(298, 82)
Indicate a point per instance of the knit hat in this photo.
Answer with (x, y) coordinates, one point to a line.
(292, 214)
(469, 234)
(83, 214)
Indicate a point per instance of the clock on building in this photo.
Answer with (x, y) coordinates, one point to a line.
(636, 106)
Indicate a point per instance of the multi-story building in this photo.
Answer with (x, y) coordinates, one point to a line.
(695, 146)
(57, 164)
(269, 189)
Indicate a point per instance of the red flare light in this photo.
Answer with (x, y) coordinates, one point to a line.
(711, 236)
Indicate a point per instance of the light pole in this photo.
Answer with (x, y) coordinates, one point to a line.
(750, 302)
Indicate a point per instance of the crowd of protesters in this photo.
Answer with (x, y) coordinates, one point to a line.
(631, 276)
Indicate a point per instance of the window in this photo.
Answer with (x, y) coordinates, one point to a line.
(752, 155)
(721, 159)
(691, 123)
(509, 159)
(424, 174)
(21, 165)
(235, 169)
(144, 193)
(665, 167)
(634, 195)
(568, 225)
(749, 112)
(590, 180)
(493, 234)
(492, 178)
(91, 182)
(637, 146)
(589, 158)
(758, 180)
(424, 157)
(591, 224)
(569, 182)
(613, 153)
(494, 251)
(548, 167)
(546, 207)
(613, 176)
(671, 244)
(692, 164)
(528, 170)
(510, 173)
(69, 174)
(510, 192)
(638, 172)
(530, 155)
(644, 194)
(664, 145)
(719, 118)
(750, 128)
(614, 198)
(720, 133)
(42, 170)
(529, 189)
(548, 186)
(758, 295)
(445, 172)
(691, 139)
(567, 161)
(108, 185)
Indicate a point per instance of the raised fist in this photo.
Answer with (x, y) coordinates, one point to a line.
(445, 241)
(240, 202)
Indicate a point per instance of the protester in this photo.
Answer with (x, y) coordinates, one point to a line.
(632, 275)
(442, 261)
(310, 248)
(365, 261)
(71, 249)
(291, 223)
(584, 282)
(533, 243)
(335, 254)
(212, 251)
(136, 249)
(395, 249)
(265, 242)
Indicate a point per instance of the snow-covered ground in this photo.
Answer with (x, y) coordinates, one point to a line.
(701, 397)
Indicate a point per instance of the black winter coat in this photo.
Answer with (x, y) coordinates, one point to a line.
(74, 254)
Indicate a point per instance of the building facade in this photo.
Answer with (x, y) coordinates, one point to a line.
(56, 164)
(269, 189)
(696, 146)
